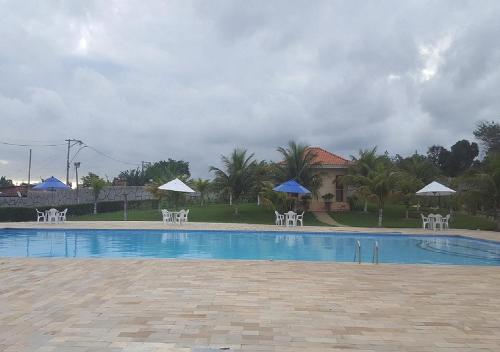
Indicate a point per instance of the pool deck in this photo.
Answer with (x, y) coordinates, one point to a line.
(153, 305)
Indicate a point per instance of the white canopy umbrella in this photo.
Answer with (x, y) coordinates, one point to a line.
(176, 186)
(434, 189)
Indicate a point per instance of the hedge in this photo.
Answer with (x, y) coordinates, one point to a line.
(29, 214)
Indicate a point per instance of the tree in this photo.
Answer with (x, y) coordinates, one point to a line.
(274, 200)
(299, 164)
(134, 177)
(263, 172)
(492, 168)
(160, 170)
(201, 186)
(418, 166)
(97, 184)
(437, 155)
(407, 185)
(478, 190)
(237, 176)
(455, 161)
(362, 165)
(462, 155)
(152, 187)
(378, 182)
(488, 133)
(5, 182)
(169, 169)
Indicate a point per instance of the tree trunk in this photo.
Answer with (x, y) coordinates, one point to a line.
(380, 214)
(258, 199)
(365, 208)
(230, 199)
(95, 207)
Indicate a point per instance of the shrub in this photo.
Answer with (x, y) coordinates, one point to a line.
(29, 214)
(327, 197)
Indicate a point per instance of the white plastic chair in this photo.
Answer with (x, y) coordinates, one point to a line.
(186, 215)
(40, 215)
(300, 218)
(291, 218)
(438, 222)
(426, 222)
(280, 218)
(167, 216)
(62, 215)
(52, 215)
(445, 222)
(181, 217)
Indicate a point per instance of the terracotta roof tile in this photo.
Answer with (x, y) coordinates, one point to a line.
(324, 157)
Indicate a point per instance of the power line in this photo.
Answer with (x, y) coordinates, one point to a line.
(110, 157)
(30, 145)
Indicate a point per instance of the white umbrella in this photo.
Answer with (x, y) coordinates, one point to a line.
(176, 186)
(435, 189)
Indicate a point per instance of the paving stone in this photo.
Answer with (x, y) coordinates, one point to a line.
(152, 305)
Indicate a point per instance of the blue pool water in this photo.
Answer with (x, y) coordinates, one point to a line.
(339, 247)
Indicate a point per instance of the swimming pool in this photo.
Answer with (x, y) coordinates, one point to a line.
(339, 247)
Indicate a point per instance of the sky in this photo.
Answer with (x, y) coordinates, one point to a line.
(192, 80)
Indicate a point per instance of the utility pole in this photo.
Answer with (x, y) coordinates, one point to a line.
(29, 170)
(71, 143)
(125, 207)
(145, 165)
(77, 165)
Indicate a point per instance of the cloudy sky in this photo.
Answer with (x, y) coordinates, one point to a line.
(150, 80)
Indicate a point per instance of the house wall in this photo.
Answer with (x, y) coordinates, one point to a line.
(328, 185)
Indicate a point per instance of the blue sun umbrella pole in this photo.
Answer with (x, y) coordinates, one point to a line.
(293, 187)
(51, 184)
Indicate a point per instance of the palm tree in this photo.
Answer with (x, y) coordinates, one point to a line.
(299, 164)
(96, 183)
(407, 185)
(263, 172)
(273, 200)
(237, 177)
(152, 187)
(377, 184)
(363, 165)
(201, 186)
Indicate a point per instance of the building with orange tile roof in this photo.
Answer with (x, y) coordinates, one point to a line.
(331, 167)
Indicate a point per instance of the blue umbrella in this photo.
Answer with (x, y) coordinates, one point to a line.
(291, 186)
(51, 184)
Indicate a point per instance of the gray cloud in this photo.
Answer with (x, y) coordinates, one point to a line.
(194, 79)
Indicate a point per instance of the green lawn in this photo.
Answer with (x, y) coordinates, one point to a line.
(248, 213)
(394, 216)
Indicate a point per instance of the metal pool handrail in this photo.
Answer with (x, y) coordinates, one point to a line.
(357, 251)
(375, 253)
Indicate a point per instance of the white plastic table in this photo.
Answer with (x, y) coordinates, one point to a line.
(435, 219)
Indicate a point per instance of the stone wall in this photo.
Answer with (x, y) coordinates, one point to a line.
(68, 197)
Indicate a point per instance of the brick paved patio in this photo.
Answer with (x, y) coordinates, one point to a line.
(167, 305)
